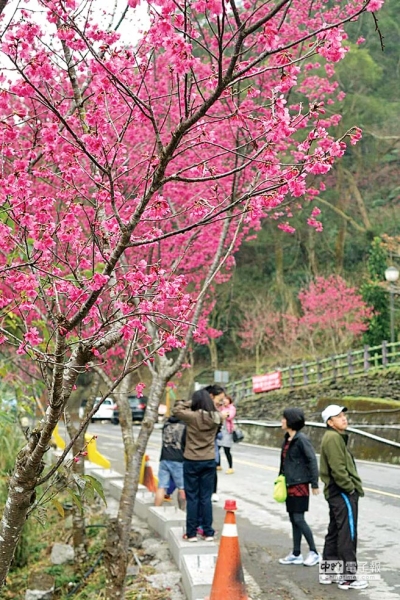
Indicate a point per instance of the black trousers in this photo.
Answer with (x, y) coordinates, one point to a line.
(228, 456)
(199, 485)
(341, 539)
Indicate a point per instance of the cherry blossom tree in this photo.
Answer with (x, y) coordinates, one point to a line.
(332, 317)
(334, 314)
(130, 174)
(265, 332)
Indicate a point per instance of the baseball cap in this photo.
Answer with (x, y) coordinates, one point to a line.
(333, 410)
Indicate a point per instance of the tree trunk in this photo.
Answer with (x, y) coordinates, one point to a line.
(212, 345)
(311, 252)
(19, 501)
(116, 553)
(342, 204)
(78, 518)
(354, 189)
(21, 496)
(29, 466)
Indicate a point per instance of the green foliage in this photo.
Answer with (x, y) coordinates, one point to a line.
(11, 440)
(379, 325)
(376, 296)
(62, 575)
(377, 261)
(358, 70)
(81, 489)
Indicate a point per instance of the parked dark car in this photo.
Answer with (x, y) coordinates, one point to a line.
(138, 408)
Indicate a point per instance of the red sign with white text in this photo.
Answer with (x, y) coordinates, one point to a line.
(265, 383)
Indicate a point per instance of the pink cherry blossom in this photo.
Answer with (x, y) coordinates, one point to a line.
(32, 336)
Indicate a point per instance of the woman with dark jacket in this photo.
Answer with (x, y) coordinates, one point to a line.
(300, 467)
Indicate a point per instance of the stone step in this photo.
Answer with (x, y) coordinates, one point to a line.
(162, 518)
(143, 501)
(180, 547)
(197, 574)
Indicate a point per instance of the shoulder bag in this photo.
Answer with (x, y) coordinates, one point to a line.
(237, 435)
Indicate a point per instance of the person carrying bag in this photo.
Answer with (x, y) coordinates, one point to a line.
(237, 435)
(300, 468)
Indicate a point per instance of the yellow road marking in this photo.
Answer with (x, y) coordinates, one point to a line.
(251, 464)
(266, 468)
(382, 493)
(118, 438)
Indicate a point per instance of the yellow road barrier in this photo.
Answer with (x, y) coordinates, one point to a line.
(58, 439)
(94, 455)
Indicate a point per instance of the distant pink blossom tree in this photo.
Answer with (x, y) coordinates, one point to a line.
(334, 314)
(267, 333)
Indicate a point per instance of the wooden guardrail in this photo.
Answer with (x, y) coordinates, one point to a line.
(327, 369)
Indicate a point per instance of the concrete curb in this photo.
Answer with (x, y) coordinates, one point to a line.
(196, 561)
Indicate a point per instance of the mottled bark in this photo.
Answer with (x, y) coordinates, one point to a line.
(20, 497)
(355, 191)
(212, 345)
(312, 255)
(78, 468)
(78, 517)
(116, 554)
(342, 205)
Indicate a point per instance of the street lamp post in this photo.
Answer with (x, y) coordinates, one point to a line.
(391, 275)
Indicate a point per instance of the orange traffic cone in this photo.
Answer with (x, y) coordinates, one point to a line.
(148, 477)
(228, 582)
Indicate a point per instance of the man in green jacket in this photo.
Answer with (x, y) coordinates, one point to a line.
(343, 487)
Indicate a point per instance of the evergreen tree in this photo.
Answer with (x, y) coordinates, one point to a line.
(375, 295)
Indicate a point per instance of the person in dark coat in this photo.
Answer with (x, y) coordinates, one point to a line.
(170, 473)
(300, 467)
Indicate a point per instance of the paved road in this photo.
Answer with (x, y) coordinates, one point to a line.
(264, 528)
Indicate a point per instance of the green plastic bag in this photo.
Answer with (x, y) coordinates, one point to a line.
(280, 489)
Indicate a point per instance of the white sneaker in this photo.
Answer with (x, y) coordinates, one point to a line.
(356, 584)
(214, 498)
(291, 559)
(325, 579)
(312, 559)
